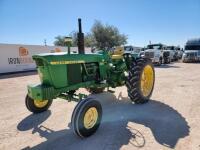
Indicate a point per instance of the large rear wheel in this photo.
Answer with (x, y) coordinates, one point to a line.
(140, 82)
(37, 106)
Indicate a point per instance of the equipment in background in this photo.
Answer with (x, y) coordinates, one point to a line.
(192, 51)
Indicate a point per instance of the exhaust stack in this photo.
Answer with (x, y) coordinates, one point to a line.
(80, 35)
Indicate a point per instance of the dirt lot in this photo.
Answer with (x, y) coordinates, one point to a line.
(171, 120)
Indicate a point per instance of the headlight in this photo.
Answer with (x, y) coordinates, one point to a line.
(142, 55)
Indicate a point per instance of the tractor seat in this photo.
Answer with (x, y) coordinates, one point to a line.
(117, 56)
(118, 53)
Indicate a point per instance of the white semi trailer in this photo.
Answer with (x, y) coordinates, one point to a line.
(192, 51)
(17, 57)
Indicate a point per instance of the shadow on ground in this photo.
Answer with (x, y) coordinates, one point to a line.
(166, 66)
(17, 74)
(32, 121)
(166, 124)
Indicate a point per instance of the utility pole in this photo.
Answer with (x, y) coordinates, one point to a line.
(149, 42)
(45, 42)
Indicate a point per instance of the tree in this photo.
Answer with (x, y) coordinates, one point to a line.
(107, 36)
(73, 34)
(101, 36)
(59, 41)
(89, 40)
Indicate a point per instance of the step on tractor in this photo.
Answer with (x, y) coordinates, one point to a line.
(62, 74)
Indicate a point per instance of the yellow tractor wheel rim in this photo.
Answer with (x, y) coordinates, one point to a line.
(40, 103)
(90, 118)
(147, 80)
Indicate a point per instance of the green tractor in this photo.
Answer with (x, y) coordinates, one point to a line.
(62, 74)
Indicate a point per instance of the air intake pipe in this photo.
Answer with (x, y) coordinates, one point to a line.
(80, 35)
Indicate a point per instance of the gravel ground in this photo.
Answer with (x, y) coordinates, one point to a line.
(171, 120)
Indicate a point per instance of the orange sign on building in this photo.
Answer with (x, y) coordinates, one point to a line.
(23, 51)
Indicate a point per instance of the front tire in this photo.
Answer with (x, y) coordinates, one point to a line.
(140, 82)
(86, 117)
(37, 106)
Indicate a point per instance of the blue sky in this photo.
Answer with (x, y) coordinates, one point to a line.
(166, 21)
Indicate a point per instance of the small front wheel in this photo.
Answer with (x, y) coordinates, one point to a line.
(86, 117)
(37, 106)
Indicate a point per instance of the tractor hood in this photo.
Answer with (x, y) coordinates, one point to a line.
(64, 58)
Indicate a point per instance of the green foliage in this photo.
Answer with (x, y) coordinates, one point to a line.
(89, 40)
(59, 41)
(74, 38)
(101, 36)
(107, 36)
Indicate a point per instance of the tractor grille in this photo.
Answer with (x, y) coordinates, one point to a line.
(149, 54)
(47, 92)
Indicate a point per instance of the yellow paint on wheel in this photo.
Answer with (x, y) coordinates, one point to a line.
(90, 118)
(40, 103)
(147, 80)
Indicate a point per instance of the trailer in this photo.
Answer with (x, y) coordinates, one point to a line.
(18, 57)
(192, 51)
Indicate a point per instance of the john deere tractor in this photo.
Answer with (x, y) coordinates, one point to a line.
(62, 74)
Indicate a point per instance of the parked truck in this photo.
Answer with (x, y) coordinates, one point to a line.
(133, 50)
(174, 55)
(192, 51)
(155, 53)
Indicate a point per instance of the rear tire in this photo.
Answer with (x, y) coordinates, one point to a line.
(37, 106)
(86, 117)
(140, 90)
